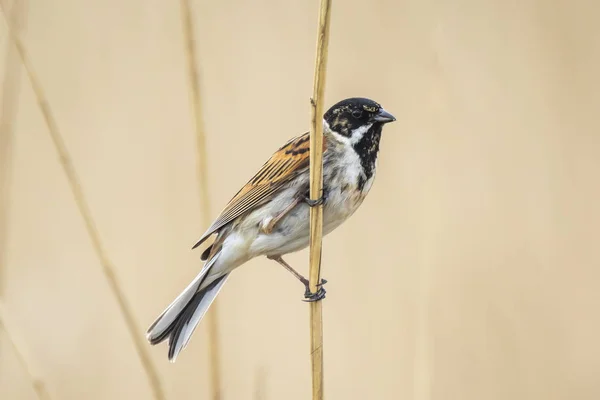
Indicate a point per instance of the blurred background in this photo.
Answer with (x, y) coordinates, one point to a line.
(470, 272)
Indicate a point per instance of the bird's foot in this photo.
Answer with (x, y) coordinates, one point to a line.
(319, 295)
(314, 203)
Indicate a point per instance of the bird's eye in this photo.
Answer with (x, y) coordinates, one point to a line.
(357, 113)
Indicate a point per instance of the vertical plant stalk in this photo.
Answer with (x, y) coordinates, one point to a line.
(92, 230)
(9, 103)
(36, 382)
(202, 165)
(316, 191)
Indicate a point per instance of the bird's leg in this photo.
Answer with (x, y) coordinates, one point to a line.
(268, 228)
(289, 268)
(317, 202)
(307, 293)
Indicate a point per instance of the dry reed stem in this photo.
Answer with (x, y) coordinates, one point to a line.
(316, 191)
(36, 382)
(92, 230)
(9, 99)
(194, 83)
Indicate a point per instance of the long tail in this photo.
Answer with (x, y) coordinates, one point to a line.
(179, 320)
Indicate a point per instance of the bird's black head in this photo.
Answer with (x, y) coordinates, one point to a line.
(353, 117)
(359, 121)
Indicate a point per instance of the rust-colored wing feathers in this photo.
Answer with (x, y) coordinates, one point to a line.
(289, 161)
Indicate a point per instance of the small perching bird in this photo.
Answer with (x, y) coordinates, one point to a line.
(269, 216)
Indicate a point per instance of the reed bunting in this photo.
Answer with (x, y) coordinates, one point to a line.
(269, 215)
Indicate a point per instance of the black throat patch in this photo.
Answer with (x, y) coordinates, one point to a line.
(367, 149)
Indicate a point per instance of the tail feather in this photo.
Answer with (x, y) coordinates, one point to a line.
(180, 318)
(190, 317)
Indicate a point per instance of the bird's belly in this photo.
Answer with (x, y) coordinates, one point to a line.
(291, 233)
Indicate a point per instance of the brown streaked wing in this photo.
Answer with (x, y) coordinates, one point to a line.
(289, 161)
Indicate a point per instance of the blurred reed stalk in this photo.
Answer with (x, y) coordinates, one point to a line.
(316, 191)
(202, 165)
(83, 207)
(36, 382)
(9, 103)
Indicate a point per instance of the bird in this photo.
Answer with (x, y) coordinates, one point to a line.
(269, 215)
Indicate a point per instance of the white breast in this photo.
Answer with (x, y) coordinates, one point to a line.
(341, 176)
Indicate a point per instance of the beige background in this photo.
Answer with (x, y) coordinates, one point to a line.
(470, 272)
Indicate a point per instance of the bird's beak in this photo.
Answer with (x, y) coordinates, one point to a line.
(384, 117)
